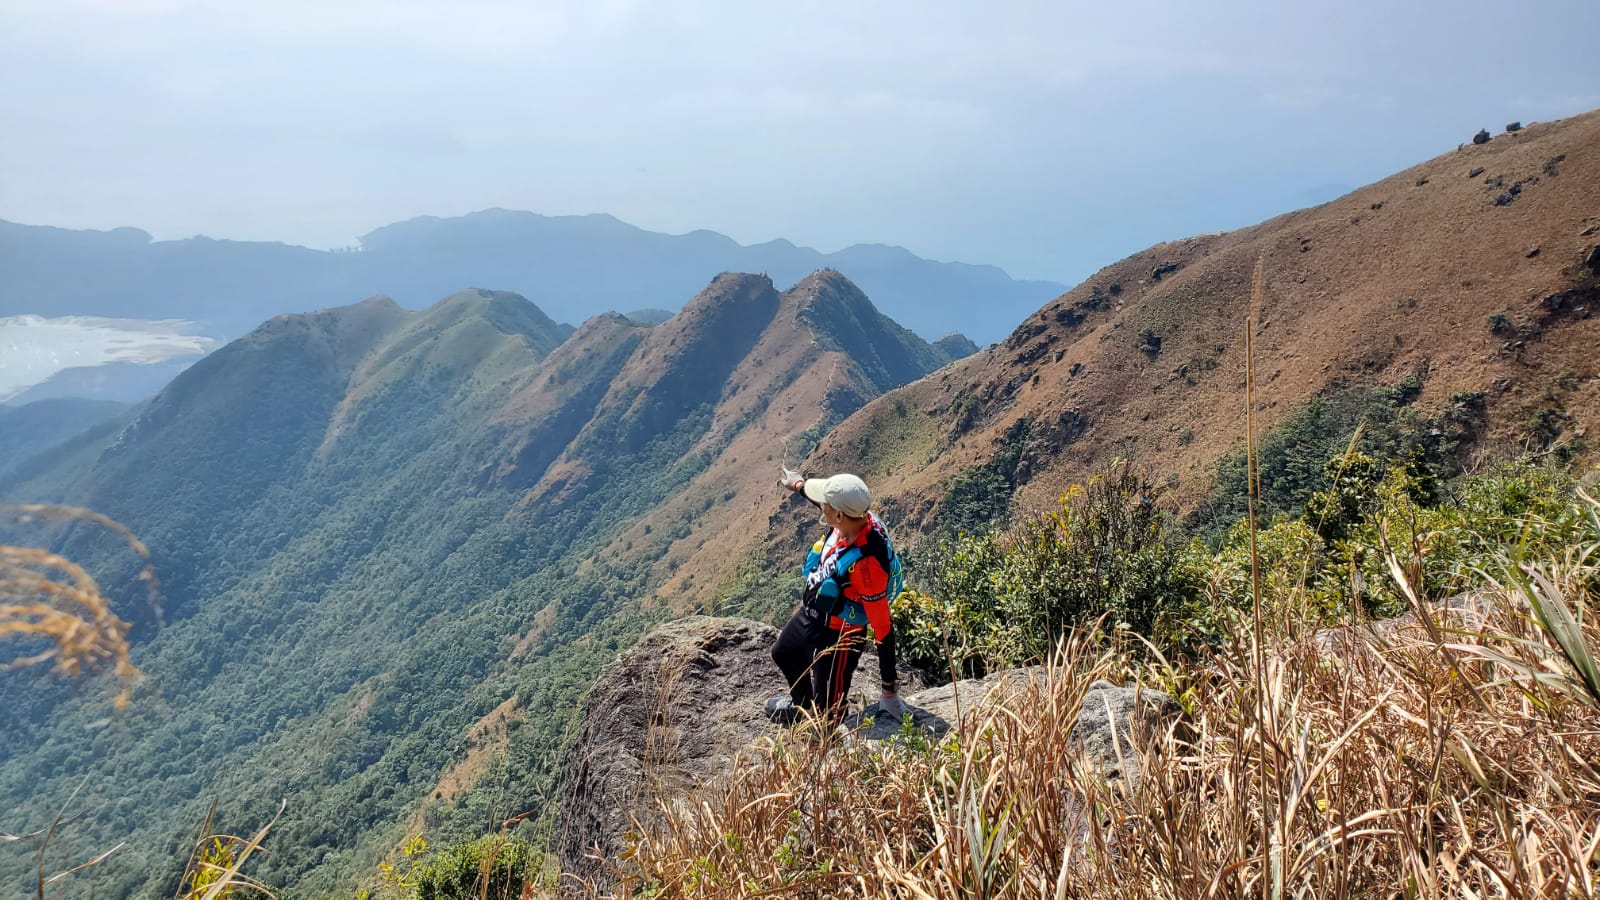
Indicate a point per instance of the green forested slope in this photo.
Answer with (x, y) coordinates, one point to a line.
(367, 544)
(31, 428)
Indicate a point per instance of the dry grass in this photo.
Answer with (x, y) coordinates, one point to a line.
(1437, 757)
(48, 601)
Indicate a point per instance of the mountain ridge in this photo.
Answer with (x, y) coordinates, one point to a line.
(1440, 272)
(575, 266)
(465, 545)
(400, 521)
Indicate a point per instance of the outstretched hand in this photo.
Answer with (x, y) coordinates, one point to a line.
(791, 479)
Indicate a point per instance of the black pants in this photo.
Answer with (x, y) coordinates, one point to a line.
(817, 661)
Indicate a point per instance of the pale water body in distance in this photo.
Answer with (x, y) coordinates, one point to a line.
(33, 348)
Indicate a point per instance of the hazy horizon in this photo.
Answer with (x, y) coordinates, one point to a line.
(1043, 139)
(354, 244)
(38, 347)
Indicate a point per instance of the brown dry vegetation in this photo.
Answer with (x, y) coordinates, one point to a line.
(49, 602)
(1446, 754)
(1399, 277)
(1443, 759)
(1433, 761)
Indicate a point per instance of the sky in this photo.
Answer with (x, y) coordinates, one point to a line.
(1049, 138)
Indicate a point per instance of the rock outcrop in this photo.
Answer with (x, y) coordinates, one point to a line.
(671, 713)
(674, 712)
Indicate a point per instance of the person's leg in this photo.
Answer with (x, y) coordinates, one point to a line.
(855, 642)
(795, 651)
(835, 667)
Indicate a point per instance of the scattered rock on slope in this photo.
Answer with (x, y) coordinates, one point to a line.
(1466, 610)
(1112, 720)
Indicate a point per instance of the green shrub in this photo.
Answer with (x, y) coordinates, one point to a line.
(1293, 460)
(506, 864)
(1349, 498)
(1332, 563)
(1108, 550)
(979, 497)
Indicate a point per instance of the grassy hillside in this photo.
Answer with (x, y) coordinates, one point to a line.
(1475, 273)
(1393, 691)
(1448, 753)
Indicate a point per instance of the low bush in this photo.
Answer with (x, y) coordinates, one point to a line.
(493, 867)
(1331, 566)
(1110, 549)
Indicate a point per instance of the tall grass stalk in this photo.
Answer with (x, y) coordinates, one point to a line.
(1253, 488)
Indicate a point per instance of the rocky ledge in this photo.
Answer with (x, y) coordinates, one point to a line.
(674, 712)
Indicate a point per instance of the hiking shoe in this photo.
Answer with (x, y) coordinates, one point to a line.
(782, 711)
(892, 706)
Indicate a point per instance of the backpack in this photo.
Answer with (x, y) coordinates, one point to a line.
(854, 613)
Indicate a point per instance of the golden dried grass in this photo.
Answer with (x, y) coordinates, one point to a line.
(46, 599)
(1417, 760)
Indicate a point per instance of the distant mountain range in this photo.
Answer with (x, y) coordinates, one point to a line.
(574, 267)
(374, 526)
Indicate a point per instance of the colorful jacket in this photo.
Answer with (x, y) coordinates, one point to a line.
(856, 594)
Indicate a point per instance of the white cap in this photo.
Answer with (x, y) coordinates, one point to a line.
(846, 493)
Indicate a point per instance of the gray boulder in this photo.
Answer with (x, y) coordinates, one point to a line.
(934, 711)
(671, 712)
(1468, 609)
(668, 716)
(1115, 723)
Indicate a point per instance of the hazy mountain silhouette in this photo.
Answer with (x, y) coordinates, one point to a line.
(27, 429)
(573, 266)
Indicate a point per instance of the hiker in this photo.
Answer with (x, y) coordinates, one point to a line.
(848, 577)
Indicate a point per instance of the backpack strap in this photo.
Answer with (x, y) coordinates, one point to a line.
(847, 560)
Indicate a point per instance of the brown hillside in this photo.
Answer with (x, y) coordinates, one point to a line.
(555, 400)
(785, 382)
(1145, 358)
